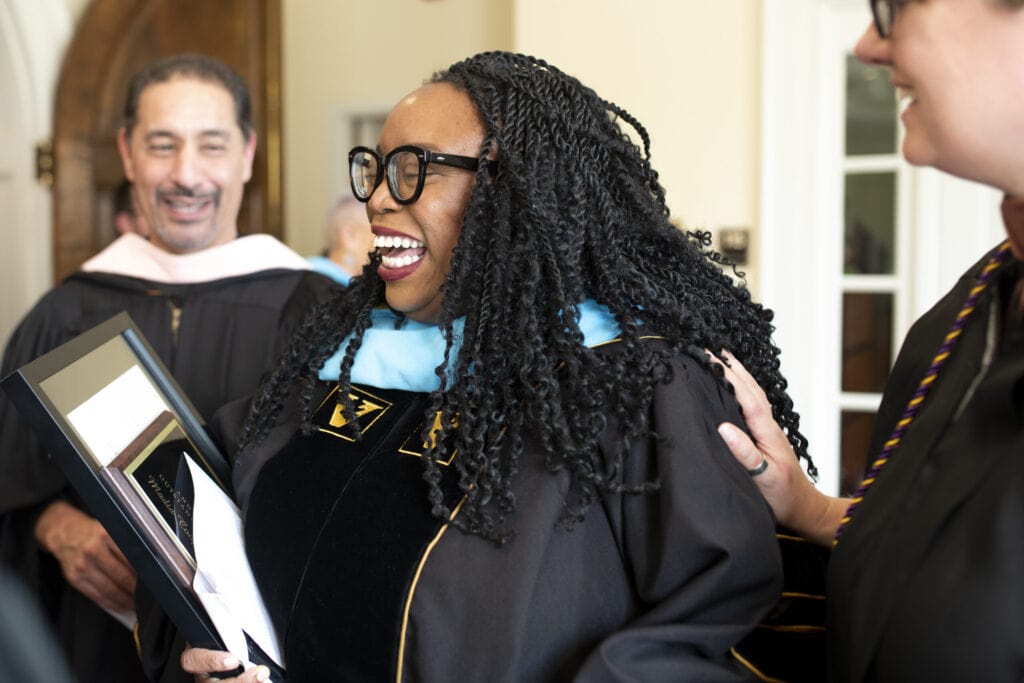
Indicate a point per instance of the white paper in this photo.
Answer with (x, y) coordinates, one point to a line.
(116, 414)
(224, 581)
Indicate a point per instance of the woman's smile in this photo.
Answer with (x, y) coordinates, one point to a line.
(398, 251)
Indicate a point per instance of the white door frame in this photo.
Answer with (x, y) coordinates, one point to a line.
(33, 37)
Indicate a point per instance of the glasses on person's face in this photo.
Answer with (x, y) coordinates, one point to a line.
(885, 13)
(405, 168)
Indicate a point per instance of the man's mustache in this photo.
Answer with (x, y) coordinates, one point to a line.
(188, 193)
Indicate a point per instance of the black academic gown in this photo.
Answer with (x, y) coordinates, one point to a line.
(364, 584)
(927, 582)
(216, 338)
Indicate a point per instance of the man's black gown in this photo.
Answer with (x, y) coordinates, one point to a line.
(216, 336)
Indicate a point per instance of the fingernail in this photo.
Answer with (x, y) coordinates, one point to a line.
(727, 432)
(262, 673)
(230, 662)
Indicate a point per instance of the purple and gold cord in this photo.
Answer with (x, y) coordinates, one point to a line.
(914, 405)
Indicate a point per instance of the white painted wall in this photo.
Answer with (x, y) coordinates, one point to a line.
(33, 36)
(689, 71)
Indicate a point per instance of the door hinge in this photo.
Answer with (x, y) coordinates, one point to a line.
(45, 163)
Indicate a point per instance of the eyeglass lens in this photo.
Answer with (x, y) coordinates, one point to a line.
(883, 12)
(403, 174)
(365, 171)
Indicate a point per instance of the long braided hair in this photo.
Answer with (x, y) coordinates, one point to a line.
(575, 211)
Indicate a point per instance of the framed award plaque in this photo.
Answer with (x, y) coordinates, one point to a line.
(124, 435)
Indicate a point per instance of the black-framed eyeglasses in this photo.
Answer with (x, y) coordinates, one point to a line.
(885, 13)
(405, 168)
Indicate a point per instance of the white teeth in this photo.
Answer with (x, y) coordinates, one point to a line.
(389, 241)
(400, 261)
(184, 207)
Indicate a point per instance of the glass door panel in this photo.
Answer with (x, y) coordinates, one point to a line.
(871, 283)
(870, 110)
(869, 207)
(867, 341)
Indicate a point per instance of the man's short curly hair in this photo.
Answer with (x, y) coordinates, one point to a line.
(190, 65)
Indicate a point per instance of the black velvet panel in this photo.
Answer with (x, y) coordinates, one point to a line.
(789, 644)
(342, 529)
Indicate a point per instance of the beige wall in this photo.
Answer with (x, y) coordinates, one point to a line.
(688, 69)
(357, 56)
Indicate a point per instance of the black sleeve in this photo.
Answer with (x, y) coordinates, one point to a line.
(702, 549)
(159, 641)
(31, 480)
(30, 476)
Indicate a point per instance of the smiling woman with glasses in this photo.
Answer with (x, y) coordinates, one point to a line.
(492, 457)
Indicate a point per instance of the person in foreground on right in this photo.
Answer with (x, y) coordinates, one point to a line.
(926, 578)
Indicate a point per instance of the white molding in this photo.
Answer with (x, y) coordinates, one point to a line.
(33, 37)
(870, 284)
(799, 198)
(875, 163)
(954, 223)
(860, 401)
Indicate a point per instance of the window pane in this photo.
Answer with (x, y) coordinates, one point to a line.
(869, 216)
(870, 110)
(855, 439)
(867, 341)
(365, 129)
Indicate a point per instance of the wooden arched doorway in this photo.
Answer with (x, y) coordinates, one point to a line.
(111, 42)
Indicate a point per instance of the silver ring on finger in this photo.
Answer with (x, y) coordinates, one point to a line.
(760, 468)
